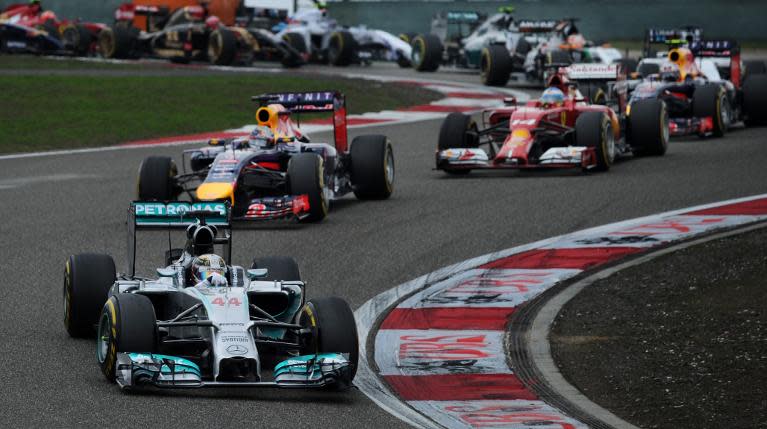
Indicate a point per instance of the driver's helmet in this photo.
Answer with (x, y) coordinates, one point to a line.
(208, 266)
(262, 137)
(212, 22)
(552, 97)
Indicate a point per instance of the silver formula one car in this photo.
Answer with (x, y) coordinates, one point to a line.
(203, 322)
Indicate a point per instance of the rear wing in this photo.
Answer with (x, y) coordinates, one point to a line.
(314, 102)
(463, 17)
(662, 36)
(176, 215)
(613, 75)
(720, 49)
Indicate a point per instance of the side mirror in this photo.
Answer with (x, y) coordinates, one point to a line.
(510, 101)
(257, 273)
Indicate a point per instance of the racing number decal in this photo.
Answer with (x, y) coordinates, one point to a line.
(232, 301)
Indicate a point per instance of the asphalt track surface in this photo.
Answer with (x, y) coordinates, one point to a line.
(55, 206)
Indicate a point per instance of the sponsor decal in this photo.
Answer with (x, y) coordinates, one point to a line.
(236, 349)
(234, 339)
(176, 208)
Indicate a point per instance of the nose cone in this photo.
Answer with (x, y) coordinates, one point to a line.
(215, 191)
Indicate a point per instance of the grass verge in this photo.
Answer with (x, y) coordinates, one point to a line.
(45, 112)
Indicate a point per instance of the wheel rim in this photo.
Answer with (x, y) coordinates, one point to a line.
(484, 65)
(214, 47)
(610, 143)
(389, 168)
(104, 338)
(724, 113)
(107, 44)
(417, 53)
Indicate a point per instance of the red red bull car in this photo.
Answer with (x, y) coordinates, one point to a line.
(556, 132)
(278, 172)
(30, 29)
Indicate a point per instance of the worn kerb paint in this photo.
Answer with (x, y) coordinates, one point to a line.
(439, 351)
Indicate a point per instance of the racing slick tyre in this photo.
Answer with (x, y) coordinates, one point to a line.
(495, 65)
(593, 129)
(77, 38)
(127, 324)
(87, 279)
(117, 42)
(710, 101)
(306, 177)
(755, 100)
(50, 27)
(427, 52)
(629, 65)
(297, 52)
(648, 127)
(372, 167)
(455, 132)
(647, 69)
(407, 37)
(594, 93)
(341, 48)
(280, 268)
(222, 47)
(333, 329)
(296, 41)
(156, 179)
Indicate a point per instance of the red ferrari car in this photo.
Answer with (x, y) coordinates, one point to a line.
(29, 28)
(559, 130)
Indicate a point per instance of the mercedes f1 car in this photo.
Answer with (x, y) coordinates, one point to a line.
(190, 33)
(27, 28)
(277, 172)
(536, 46)
(560, 130)
(704, 87)
(203, 322)
(321, 39)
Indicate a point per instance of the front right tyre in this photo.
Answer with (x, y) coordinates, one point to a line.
(127, 324)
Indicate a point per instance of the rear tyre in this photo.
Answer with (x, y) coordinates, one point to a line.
(629, 65)
(427, 52)
(306, 177)
(648, 131)
(156, 179)
(280, 268)
(495, 65)
(77, 38)
(117, 42)
(87, 280)
(341, 48)
(333, 329)
(710, 101)
(594, 93)
(127, 324)
(455, 132)
(593, 129)
(755, 100)
(372, 169)
(222, 47)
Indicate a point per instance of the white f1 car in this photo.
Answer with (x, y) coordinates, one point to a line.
(203, 322)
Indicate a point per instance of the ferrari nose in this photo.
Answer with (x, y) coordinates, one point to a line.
(215, 191)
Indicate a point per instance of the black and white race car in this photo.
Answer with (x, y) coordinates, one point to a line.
(202, 321)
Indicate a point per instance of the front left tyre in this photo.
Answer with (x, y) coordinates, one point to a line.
(710, 101)
(127, 324)
(87, 280)
(222, 47)
(594, 130)
(341, 48)
(333, 329)
(427, 52)
(495, 65)
(306, 177)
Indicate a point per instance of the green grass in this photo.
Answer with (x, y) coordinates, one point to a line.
(45, 112)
